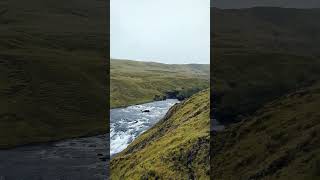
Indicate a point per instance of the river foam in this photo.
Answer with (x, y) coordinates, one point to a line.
(128, 123)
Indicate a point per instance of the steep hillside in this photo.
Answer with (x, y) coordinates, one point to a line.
(261, 54)
(280, 141)
(53, 68)
(266, 76)
(134, 82)
(176, 148)
(244, 82)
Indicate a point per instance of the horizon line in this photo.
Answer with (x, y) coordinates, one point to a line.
(150, 61)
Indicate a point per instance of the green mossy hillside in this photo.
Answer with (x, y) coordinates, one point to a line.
(279, 141)
(177, 147)
(260, 54)
(135, 82)
(53, 70)
(266, 29)
(265, 73)
(246, 81)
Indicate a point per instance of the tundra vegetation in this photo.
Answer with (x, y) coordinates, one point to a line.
(53, 70)
(135, 82)
(266, 70)
(177, 147)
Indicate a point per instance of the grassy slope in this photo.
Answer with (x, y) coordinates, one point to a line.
(280, 141)
(268, 29)
(263, 57)
(134, 82)
(176, 148)
(244, 82)
(53, 70)
(260, 54)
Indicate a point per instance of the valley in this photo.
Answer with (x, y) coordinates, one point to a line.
(266, 75)
(177, 146)
(180, 135)
(136, 82)
(54, 97)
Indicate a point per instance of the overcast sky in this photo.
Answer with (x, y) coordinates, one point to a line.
(277, 3)
(167, 31)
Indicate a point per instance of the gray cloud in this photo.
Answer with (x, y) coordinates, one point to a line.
(161, 30)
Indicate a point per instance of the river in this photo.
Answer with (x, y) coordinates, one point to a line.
(81, 158)
(128, 123)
